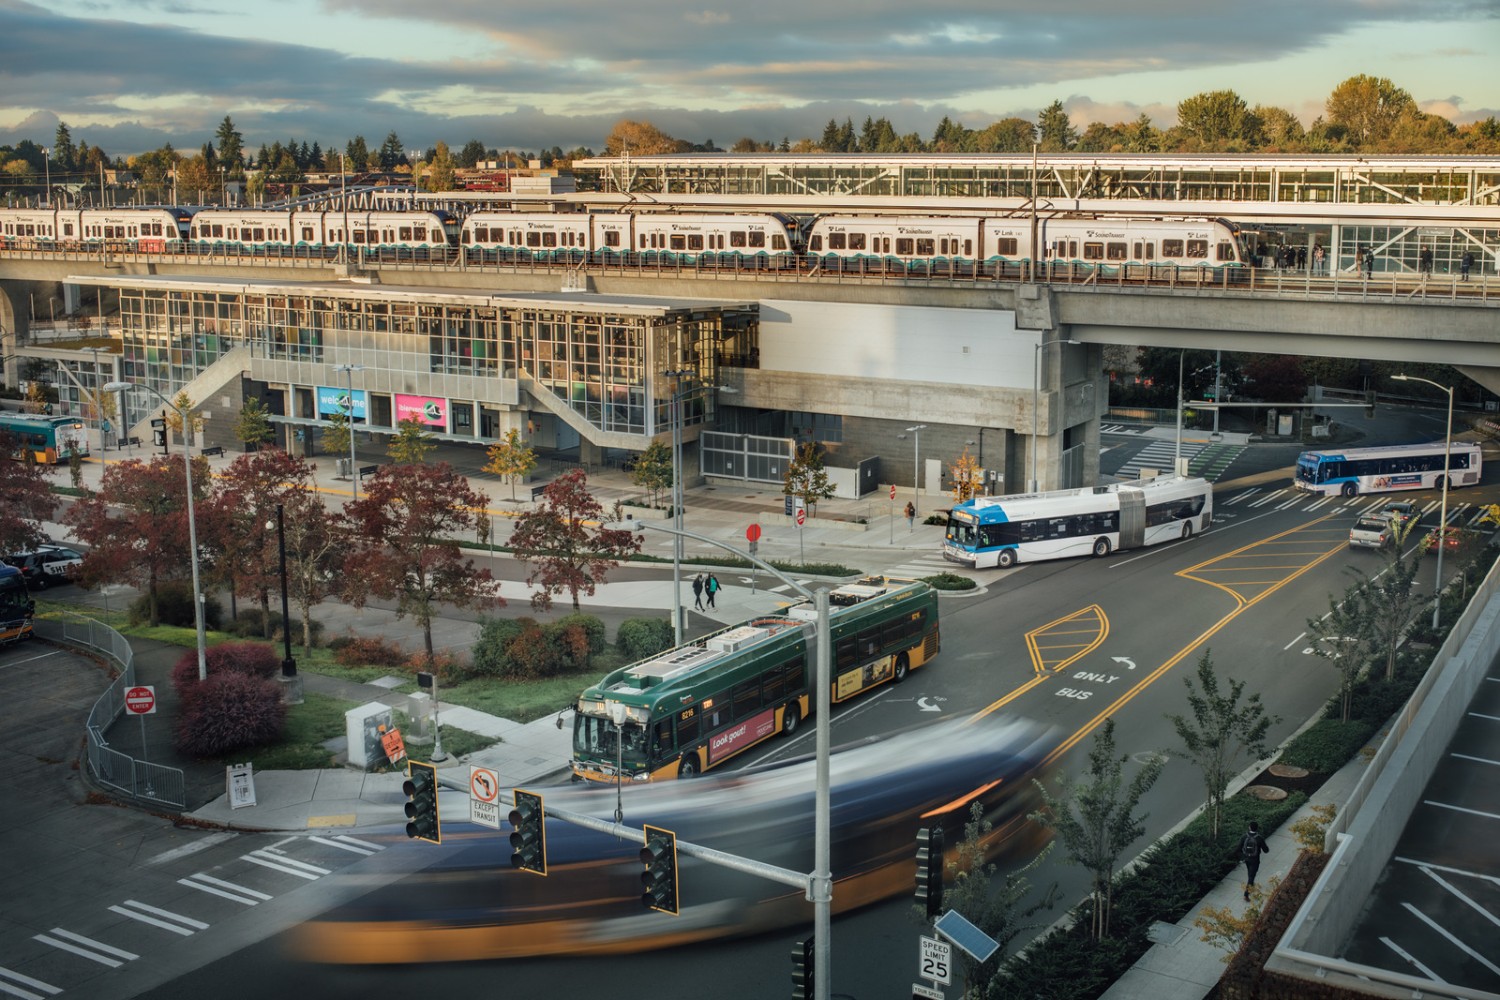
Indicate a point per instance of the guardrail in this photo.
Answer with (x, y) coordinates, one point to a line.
(137, 778)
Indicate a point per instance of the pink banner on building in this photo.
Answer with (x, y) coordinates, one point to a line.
(428, 409)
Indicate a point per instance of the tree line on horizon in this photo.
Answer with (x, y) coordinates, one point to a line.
(1363, 114)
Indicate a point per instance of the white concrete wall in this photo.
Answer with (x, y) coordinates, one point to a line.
(972, 347)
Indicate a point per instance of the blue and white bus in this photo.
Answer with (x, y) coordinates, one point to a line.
(1385, 470)
(1002, 531)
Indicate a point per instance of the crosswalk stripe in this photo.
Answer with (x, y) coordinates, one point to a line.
(287, 865)
(174, 922)
(365, 849)
(81, 946)
(226, 889)
(36, 984)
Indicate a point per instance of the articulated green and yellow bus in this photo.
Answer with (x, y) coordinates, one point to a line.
(689, 709)
(41, 438)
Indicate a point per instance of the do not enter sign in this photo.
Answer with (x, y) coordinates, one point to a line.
(140, 700)
(801, 516)
(893, 491)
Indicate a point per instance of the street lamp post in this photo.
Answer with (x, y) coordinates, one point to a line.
(349, 370)
(1036, 387)
(1442, 536)
(288, 665)
(187, 466)
(916, 468)
(820, 881)
(675, 415)
(1177, 455)
(47, 168)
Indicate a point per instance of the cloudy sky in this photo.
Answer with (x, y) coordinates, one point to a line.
(131, 76)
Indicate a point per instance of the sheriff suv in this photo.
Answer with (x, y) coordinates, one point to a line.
(48, 565)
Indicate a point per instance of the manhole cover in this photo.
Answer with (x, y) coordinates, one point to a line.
(1268, 793)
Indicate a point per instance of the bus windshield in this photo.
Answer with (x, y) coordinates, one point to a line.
(598, 737)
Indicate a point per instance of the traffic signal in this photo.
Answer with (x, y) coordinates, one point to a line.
(930, 869)
(660, 877)
(422, 806)
(802, 969)
(528, 838)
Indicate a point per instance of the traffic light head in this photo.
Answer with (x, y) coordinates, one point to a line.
(659, 879)
(803, 963)
(422, 802)
(528, 838)
(930, 869)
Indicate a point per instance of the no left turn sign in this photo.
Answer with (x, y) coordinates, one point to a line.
(484, 797)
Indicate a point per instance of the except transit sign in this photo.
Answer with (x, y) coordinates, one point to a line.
(141, 700)
(484, 797)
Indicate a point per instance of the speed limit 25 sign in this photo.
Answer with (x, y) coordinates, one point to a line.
(936, 961)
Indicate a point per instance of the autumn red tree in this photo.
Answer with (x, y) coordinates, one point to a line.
(316, 541)
(136, 525)
(564, 543)
(406, 530)
(25, 501)
(244, 499)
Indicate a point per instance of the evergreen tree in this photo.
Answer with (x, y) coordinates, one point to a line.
(62, 148)
(1056, 131)
(358, 154)
(471, 154)
(391, 153)
(830, 140)
(231, 143)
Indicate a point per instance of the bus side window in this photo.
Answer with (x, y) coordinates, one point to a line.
(845, 655)
(687, 730)
(747, 698)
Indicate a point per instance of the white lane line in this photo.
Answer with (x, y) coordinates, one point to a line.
(86, 944)
(362, 843)
(1445, 868)
(1451, 939)
(1477, 760)
(188, 849)
(1293, 642)
(1457, 892)
(286, 865)
(344, 847)
(228, 890)
(36, 984)
(1412, 959)
(1487, 718)
(174, 922)
(1461, 809)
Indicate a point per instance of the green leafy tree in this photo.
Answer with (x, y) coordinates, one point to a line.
(406, 530)
(1093, 818)
(1367, 108)
(254, 424)
(411, 444)
(357, 154)
(25, 501)
(440, 169)
(806, 479)
(335, 434)
(1222, 729)
(1009, 135)
(1218, 117)
(470, 156)
(563, 543)
(653, 471)
(510, 459)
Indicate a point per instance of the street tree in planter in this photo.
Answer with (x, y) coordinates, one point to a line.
(806, 479)
(135, 525)
(510, 459)
(562, 542)
(411, 444)
(254, 425)
(653, 471)
(406, 526)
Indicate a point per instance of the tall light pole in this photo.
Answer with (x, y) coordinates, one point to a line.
(344, 204)
(47, 168)
(820, 881)
(1442, 532)
(187, 466)
(916, 468)
(1036, 392)
(1177, 455)
(679, 394)
(349, 370)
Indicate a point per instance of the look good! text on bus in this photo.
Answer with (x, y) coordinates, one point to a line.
(1384, 470)
(1030, 527)
(691, 708)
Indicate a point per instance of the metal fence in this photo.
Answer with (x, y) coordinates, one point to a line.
(137, 778)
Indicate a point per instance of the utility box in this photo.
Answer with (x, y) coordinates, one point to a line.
(364, 726)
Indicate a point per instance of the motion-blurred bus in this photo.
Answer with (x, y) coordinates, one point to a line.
(47, 439)
(1384, 470)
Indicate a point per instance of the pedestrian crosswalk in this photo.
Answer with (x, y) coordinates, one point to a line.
(1206, 460)
(1260, 499)
(1121, 429)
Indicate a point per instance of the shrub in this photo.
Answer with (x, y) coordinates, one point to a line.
(314, 626)
(250, 624)
(571, 641)
(639, 638)
(174, 606)
(491, 656)
(532, 654)
(369, 651)
(445, 663)
(592, 627)
(229, 712)
(1327, 745)
(253, 659)
(949, 581)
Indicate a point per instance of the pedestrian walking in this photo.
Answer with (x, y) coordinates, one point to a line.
(1369, 260)
(711, 588)
(1464, 263)
(1252, 846)
(911, 515)
(1318, 259)
(698, 593)
(1424, 260)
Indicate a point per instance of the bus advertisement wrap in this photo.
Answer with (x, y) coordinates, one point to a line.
(1383, 470)
(752, 730)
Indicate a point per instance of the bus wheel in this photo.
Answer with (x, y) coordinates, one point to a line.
(689, 766)
(790, 720)
(1187, 531)
(1006, 558)
(1350, 489)
(1101, 547)
(903, 667)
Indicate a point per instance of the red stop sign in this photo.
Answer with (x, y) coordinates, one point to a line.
(893, 491)
(801, 516)
(140, 700)
(752, 533)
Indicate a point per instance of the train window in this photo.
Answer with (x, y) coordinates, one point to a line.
(943, 247)
(905, 247)
(856, 241)
(815, 243)
(1115, 251)
(757, 239)
(481, 234)
(533, 239)
(549, 239)
(1093, 251)
(737, 238)
(307, 234)
(968, 248)
(358, 236)
(1225, 251)
(612, 238)
(406, 234)
(1197, 248)
(218, 231)
(926, 247)
(695, 241)
(677, 241)
(1171, 248)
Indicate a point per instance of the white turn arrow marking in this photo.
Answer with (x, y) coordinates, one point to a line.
(1129, 663)
(924, 706)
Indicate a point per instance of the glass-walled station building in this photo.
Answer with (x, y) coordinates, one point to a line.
(565, 370)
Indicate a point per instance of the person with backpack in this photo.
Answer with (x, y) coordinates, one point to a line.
(698, 593)
(911, 515)
(1252, 846)
(711, 588)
